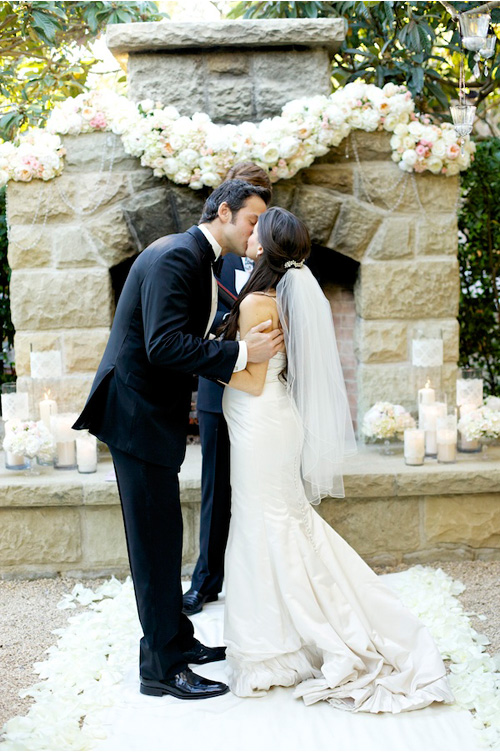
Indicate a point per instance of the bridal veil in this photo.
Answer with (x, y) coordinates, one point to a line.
(315, 382)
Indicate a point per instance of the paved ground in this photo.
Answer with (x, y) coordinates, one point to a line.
(28, 614)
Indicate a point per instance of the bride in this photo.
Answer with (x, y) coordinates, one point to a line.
(302, 608)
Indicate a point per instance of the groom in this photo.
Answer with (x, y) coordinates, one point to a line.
(139, 405)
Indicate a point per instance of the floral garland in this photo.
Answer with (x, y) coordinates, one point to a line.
(82, 672)
(196, 152)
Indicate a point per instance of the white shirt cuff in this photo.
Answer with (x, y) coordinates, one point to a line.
(242, 360)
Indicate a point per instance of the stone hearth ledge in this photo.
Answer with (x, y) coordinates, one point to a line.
(65, 522)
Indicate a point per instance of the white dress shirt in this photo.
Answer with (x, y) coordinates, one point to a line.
(242, 359)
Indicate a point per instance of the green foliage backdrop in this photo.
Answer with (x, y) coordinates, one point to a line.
(479, 256)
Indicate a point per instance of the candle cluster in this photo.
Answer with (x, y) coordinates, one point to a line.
(51, 439)
(438, 433)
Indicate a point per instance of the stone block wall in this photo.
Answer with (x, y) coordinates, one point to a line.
(90, 220)
(67, 234)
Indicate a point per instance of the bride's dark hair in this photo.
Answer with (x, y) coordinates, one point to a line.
(283, 237)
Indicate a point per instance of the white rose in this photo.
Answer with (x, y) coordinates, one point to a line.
(408, 142)
(395, 141)
(207, 164)
(434, 164)
(391, 122)
(355, 119)
(210, 178)
(416, 128)
(171, 113)
(289, 146)
(147, 105)
(189, 157)
(401, 129)
(370, 120)
(4, 177)
(170, 165)
(182, 176)
(269, 153)
(390, 89)
(430, 134)
(334, 114)
(439, 149)
(409, 157)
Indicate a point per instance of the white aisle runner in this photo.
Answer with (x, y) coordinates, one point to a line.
(273, 722)
(88, 696)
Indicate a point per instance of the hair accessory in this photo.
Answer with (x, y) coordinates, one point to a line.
(296, 264)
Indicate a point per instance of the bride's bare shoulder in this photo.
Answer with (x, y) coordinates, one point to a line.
(257, 301)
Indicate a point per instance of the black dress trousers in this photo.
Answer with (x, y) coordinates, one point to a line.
(153, 526)
(208, 575)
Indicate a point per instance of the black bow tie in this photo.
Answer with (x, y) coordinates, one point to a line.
(217, 266)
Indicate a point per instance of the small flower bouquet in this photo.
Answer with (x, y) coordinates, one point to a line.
(483, 423)
(28, 439)
(386, 421)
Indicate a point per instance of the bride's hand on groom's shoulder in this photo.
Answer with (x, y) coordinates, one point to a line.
(262, 342)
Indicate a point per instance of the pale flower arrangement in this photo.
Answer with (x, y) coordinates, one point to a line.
(483, 423)
(29, 439)
(196, 152)
(386, 421)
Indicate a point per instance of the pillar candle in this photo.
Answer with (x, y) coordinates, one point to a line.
(414, 446)
(430, 414)
(86, 453)
(446, 440)
(48, 408)
(426, 396)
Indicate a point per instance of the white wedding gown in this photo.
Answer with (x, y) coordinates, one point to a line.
(302, 608)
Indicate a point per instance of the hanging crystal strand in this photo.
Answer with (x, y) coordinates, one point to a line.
(461, 95)
(347, 147)
(476, 70)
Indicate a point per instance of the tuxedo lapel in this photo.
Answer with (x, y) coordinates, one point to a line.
(207, 257)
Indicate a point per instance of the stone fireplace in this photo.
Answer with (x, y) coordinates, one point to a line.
(72, 238)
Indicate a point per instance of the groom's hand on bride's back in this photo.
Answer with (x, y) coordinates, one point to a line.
(263, 342)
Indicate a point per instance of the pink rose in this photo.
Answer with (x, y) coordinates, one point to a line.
(453, 151)
(421, 150)
(98, 122)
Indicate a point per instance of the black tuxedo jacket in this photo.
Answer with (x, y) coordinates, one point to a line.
(210, 392)
(141, 395)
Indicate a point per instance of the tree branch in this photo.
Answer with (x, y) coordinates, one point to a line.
(451, 10)
(479, 9)
(483, 8)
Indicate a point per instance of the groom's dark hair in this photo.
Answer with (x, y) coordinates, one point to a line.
(234, 193)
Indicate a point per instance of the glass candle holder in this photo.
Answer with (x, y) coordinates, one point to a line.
(446, 438)
(86, 452)
(465, 445)
(463, 118)
(46, 364)
(15, 405)
(64, 439)
(474, 28)
(414, 446)
(15, 461)
(429, 416)
(470, 387)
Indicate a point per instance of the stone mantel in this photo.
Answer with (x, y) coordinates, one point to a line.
(232, 70)
(290, 32)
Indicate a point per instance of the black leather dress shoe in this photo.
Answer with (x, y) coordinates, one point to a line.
(186, 685)
(193, 601)
(200, 654)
